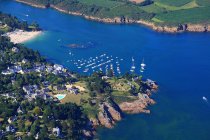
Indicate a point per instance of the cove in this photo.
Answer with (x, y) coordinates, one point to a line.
(180, 63)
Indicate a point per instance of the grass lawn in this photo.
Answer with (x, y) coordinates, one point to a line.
(91, 111)
(120, 99)
(119, 84)
(75, 98)
(157, 20)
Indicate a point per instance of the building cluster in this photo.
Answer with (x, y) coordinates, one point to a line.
(17, 68)
(33, 91)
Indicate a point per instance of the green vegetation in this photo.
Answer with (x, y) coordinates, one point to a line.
(10, 23)
(203, 2)
(103, 3)
(160, 12)
(189, 5)
(28, 83)
(195, 15)
(153, 8)
(25, 117)
(174, 2)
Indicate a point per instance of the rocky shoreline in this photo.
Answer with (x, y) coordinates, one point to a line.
(111, 112)
(117, 20)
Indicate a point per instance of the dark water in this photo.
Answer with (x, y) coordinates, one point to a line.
(179, 63)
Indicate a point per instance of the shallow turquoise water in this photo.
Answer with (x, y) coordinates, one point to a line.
(60, 96)
(179, 63)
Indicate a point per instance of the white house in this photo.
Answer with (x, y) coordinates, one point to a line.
(56, 131)
(58, 67)
(14, 49)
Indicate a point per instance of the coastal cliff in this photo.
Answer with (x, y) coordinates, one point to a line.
(137, 106)
(125, 20)
(110, 112)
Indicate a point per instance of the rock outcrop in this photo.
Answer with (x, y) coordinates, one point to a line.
(137, 106)
(108, 115)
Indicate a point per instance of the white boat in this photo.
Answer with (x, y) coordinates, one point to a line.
(86, 70)
(204, 98)
(133, 66)
(143, 64)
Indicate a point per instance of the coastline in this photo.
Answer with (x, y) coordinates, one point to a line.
(31, 4)
(117, 20)
(20, 36)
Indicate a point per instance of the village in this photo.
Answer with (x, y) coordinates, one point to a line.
(40, 99)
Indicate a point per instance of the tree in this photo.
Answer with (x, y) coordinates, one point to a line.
(37, 111)
(43, 133)
(34, 128)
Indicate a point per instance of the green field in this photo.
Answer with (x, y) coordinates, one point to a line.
(195, 15)
(203, 2)
(153, 8)
(189, 5)
(176, 3)
(102, 3)
(173, 12)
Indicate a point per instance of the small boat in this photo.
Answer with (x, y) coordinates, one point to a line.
(133, 63)
(131, 70)
(204, 98)
(143, 64)
(86, 70)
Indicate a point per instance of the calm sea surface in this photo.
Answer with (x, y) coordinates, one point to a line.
(179, 63)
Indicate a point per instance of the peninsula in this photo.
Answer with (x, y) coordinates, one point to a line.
(43, 100)
(160, 15)
(18, 32)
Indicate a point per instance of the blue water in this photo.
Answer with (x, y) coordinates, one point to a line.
(179, 63)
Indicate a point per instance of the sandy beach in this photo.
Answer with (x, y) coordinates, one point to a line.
(20, 36)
